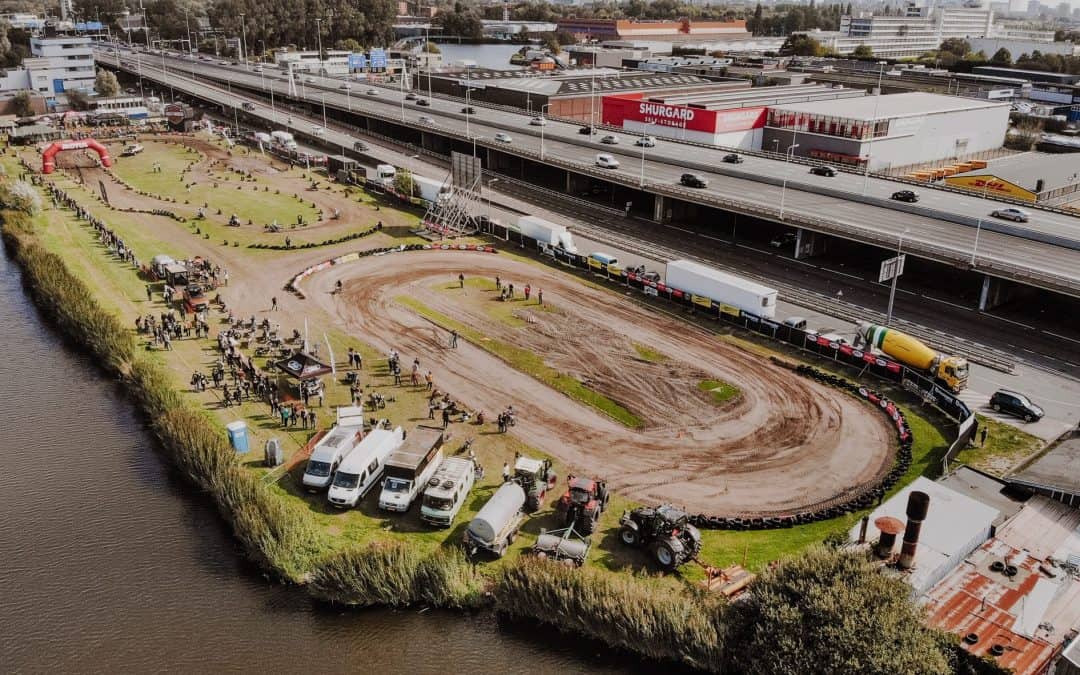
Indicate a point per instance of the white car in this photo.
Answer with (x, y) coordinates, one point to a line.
(605, 161)
(503, 138)
(372, 92)
(646, 142)
(424, 119)
(610, 139)
(1011, 213)
(257, 69)
(538, 121)
(317, 131)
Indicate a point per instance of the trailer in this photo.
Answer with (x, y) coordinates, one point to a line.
(283, 139)
(498, 521)
(427, 189)
(547, 234)
(707, 284)
(409, 468)
(563, 545)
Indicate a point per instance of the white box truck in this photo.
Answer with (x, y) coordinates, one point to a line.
(546, 233)
(283, 139)
(409, 468)
(697, 279)
(427, 189)
(384, 173)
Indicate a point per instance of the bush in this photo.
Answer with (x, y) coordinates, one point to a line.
(21, 196)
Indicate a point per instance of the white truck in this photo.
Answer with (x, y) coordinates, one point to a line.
(262, 138)
(447, 490)
(427, 189)
(333, 448)
(384, 174)
(548, 234)
(728, 289)
(409, 468)
(283, 139)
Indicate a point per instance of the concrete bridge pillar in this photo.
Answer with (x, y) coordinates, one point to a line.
(809, 243)
(660, 212)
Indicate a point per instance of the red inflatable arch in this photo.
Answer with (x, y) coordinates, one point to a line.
(48, 158)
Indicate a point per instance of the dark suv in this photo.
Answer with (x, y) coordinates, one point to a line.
(693, 180)
(905, 196)
(1015, 404)
(826, 171)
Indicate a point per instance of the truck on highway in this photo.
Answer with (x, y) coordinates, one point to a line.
(262, 138)
(283, 139)
(427, 189)
(950, 371)
(548, 235)
(727, 289)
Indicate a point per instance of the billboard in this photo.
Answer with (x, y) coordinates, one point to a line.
(377, 58)
(357, 61)
(991, 185)
(618, 110)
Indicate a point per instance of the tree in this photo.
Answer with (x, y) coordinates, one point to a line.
(863, 52)
(403, 182)
(461, 21)
(22, 105)
(432, 48)
(754, 25)
(349, 45)
(106, 84)
(552, 44)
(565, 38)
(957, 46)
(78, 100)
(832, 611)
(801, 45)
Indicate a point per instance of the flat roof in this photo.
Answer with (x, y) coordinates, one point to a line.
(890, 106)
(1058, 469)
(986, 489)
(1026, 169)
(576, 82)
(743, 97)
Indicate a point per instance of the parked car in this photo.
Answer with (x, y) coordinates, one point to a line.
(610, 139)
(585, 131)
(257, 69)
(733, 159)
(343, 86)
(248, 105)
(905, 196)
(1015, 404)
(503, 138)
(317, 130)
(309, 80)
(538, 121)
(646, 142)
(826, 171)
(423, 102)
(468, 110)
(1011, 213)
(796, 322)
(693, 180)
(605, 161)
(782, 240)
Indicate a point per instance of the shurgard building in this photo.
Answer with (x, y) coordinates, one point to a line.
(894, 130)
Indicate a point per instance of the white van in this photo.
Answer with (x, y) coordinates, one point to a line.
(446, 491)
(363, 468)
(602, 262)
(606, 161)
(334, 447)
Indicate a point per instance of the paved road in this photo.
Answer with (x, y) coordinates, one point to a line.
(1034, 262)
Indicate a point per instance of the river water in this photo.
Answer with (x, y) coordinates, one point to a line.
(109, 562)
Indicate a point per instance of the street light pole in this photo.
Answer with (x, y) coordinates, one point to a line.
(324, 112)
(783, 191)
(543, 125)
(873, 127)
(641, 180)
(978, 229)
(892, 289)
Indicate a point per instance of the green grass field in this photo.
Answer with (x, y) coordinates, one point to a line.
(1006, 448)
(720, 392)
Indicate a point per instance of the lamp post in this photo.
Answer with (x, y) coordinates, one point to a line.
(401, 82)
(324, 112)
(348, 99)
(892, 289)
(978, 228)
(644, 143)
(474, 140)
(543, 125)
(873, 127)
(783, 191)
(243, 39)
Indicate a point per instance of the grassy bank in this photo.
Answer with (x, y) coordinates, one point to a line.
(1005, 449)
(719, 392)
(529, 363)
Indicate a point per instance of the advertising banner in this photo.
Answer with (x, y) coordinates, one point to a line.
(701, 300)
(619, 110)
(992, 185)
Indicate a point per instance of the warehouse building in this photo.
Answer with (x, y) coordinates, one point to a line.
(1031, 176)
(729, 118)
(887, 131)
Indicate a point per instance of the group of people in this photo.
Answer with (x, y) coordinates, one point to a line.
(106, 236)
(506, 292)
(506, 419)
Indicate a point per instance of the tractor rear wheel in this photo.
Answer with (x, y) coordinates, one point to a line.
(665, 555)
(588, 522)
(628, 535)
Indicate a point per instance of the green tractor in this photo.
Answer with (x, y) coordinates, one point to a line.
(665, 531)
(536, 478)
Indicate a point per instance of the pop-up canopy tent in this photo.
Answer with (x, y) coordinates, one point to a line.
(303, 366)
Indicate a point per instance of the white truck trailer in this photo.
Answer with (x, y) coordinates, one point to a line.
(546, 233)
(283, 139)
(427, 189)
(728, 289)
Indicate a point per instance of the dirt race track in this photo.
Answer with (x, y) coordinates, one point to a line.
(785, 443)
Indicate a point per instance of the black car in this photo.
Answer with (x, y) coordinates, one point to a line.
(469, 110)
(584, 131)
(410, 96)
(905, 196)
(1015, 404)
(422, 102)
(693, 180)
(733, 159)
(826, 171)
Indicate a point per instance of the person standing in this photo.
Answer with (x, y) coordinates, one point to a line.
(429, 380)
(982, 436)
(453, 339)
(540, 297)
(351, 359)
(445, 417)
(149, 293)
(498, 284)
(312, 420)
(528, 291)
(273, 304)
(506, 471)
(461, 280)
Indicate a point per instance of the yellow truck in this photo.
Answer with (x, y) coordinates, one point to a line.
(950, 371)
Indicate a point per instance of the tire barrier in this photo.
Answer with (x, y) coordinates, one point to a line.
(295, 286)
(316, 244)
(852, 500)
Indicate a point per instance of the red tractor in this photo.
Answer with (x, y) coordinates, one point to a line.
(583, 503)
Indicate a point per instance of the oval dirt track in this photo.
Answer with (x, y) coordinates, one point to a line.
(786, 442)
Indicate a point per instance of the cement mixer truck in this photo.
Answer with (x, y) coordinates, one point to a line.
(950, 371)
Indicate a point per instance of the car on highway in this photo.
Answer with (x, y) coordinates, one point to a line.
(359, 146)
(733, 159)
(1015, 404)
(372, 92)
(423, 102)
(538, 121)
(693, 180)
(309, 80)
(469, 110)
(905, 196)
(610, 139)
(503, 138)
(257, 69)
(248, 105)
(585, 131)
(606, 161)
(343, 86)
(782, 240)
(1012, 213)
(316, 130)
(424, 119)
(646, 142)
(410, 96)
(223, 63)
(826, 171)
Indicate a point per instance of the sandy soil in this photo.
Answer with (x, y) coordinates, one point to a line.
(784, 443)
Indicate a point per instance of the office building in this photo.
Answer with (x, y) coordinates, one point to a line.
(917, 30)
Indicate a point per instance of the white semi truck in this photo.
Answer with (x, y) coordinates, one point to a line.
(728, 289)
(427, 189)
(548, 234)
(283, 139)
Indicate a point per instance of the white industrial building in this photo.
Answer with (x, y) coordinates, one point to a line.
(57, 65)
(885, 131)
(335, 63)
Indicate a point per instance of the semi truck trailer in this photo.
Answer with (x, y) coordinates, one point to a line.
(547, 233)
(950, 371)
(728, 289)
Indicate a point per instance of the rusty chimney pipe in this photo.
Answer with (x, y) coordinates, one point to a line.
(862, 529)
(888, 527)
(918, 505)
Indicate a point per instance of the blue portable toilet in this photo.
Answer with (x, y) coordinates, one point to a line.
(238, 436)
